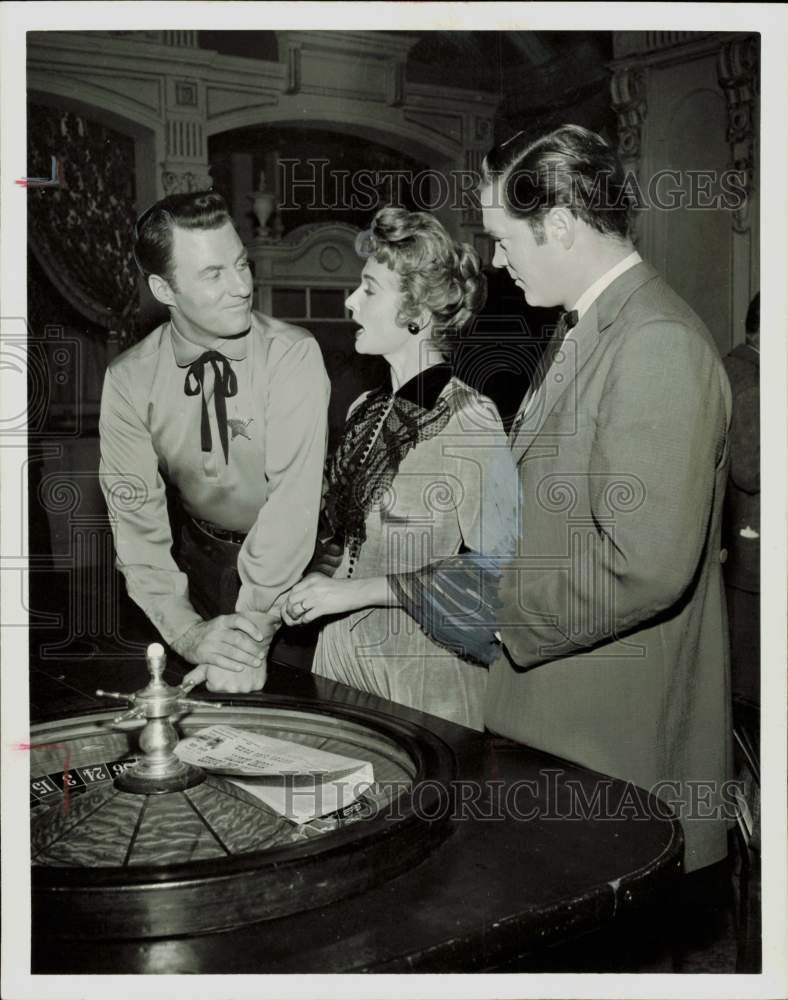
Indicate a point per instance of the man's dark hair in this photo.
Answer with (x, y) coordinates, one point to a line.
(753, 322)
(153, 229)
(568, 166)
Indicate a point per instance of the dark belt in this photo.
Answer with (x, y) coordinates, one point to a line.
(222, 534)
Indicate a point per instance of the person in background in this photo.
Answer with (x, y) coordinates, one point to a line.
(224, 409)
(742, 513)
(742, 539)
(423, 470)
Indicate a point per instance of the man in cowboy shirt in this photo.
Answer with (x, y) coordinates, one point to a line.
(224, 409)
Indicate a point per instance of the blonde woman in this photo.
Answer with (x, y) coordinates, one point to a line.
(423, 472)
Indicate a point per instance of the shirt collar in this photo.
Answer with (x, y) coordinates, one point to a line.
(186, 351)
(423, 389)
(591, 294)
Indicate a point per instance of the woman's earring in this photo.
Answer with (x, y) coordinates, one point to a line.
(414, 328)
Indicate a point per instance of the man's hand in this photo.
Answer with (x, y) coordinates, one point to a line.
(230, 642)
(317, 595)
(244, 669)
(233, 681)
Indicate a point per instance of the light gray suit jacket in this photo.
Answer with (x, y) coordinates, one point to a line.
(614, 623)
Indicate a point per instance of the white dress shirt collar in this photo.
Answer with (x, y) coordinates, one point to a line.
(592, 293)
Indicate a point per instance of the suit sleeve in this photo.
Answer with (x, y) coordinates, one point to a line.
(282, 539)
(135, 494)
(659, 439)
(745, 468)
(455, 600)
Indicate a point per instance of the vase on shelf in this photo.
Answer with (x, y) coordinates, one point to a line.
(263, 203)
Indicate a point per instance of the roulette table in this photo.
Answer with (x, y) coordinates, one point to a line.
(470, 852)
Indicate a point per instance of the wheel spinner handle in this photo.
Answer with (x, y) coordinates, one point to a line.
(159, 769)
(158, 698)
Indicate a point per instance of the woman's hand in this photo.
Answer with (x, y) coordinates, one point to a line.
(318, 595)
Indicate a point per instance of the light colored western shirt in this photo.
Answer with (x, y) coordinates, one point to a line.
(270, 487)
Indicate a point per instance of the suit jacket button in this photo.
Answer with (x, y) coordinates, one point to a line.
(723, 555)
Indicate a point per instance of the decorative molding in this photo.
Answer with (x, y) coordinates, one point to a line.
(293, 84)
(472, 214)
(314, 254)
(351, 44)
(738, 72)
(186, 139)
(133, 35)
(307, 233)
(445, 125)
(631, 42)
(224, 100)
(395, 83)
(186, 93)
(129, 54)
(628, 98)
(666, 39)
(177, 180)
(345, 64)
(330, 259)
(482, 129)
(354, 81)
(111, 91)
(180, 39)
(431, 97)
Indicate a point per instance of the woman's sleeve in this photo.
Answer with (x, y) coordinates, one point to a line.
(487, 512)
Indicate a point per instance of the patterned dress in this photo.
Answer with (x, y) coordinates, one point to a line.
(420, 474)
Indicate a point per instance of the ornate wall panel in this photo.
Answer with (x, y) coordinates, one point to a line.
(352, 82)
(687, 107)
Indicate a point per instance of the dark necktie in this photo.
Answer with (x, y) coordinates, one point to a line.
(566, 321)
(225, 385)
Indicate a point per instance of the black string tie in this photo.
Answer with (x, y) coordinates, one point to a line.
(225, 384)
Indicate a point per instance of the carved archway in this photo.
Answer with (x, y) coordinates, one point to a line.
(413, 139)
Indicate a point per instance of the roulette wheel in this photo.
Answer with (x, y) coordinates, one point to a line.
(128, 841)
(457, 859)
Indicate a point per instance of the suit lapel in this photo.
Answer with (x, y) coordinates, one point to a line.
(573, 355)
(568, 358)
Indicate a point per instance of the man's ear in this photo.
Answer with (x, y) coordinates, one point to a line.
(561, 226)
(161, 289)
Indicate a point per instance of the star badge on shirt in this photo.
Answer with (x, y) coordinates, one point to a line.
(238, 428)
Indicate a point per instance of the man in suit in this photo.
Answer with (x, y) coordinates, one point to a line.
(612, 619)
(613, 622)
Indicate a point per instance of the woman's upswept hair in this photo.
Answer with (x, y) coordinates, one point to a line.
(153, 229)
(436, 274)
